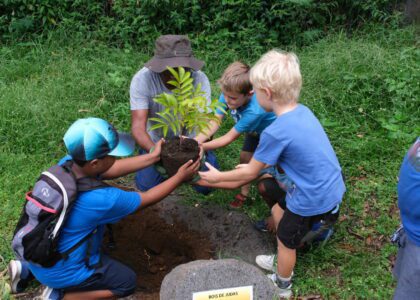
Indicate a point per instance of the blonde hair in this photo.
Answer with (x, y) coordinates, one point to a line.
(278, 71)
(235, 78)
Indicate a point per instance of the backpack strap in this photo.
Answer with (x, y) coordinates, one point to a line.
(88, 184)
(88, 255)
(65, 203)
(65, 255)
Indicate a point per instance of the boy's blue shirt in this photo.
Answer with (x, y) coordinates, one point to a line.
(297, 142)
(409, 193)
(250, 118)
(92, 209)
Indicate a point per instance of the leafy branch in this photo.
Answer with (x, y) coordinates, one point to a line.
(186, 110)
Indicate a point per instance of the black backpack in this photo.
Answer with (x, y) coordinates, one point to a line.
(44, 214)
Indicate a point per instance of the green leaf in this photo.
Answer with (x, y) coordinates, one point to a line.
(157, 126)
(171, 100)
(157, 120)
(181, 71)
(186, 89)
(174, 73)
(174, 83)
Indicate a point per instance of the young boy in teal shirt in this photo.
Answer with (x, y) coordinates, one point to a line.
(93, 145)
(303, 151)
(250, 118)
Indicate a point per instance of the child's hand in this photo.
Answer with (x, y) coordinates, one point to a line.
(157, 149)
(188, 170)
(212, 175)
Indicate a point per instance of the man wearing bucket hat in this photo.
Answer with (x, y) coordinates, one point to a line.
(92, 145)
(150, 81)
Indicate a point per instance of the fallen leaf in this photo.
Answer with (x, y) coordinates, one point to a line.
(347, 247)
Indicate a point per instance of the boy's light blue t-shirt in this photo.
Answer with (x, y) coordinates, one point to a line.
(250, 118)
(297, 142)
(92, 209)
(409, 193)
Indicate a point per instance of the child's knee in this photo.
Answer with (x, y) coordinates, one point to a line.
(130, 284)
(245, 157)
(271, 192)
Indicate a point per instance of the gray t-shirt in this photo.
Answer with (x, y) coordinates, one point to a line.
(147, 84)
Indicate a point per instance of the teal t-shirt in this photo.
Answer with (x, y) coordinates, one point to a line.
(250, 118)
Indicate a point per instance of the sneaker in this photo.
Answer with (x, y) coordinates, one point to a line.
(239, 201)
(325, 236)
(267, 262)
(285, 287)
(19, 275)
(51, 294)
(261, 225)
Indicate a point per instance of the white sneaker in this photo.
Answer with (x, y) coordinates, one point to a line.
(267, 262)
(285, 287)
(14, 270)
(50, 294)
(19, 275)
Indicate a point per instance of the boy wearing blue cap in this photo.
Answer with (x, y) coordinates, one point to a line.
(92, 145)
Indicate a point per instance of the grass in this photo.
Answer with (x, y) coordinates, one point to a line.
(364, 89)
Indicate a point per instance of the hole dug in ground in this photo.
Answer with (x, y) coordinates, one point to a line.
(152, 247)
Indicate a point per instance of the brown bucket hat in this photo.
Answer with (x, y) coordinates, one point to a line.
(173, 51)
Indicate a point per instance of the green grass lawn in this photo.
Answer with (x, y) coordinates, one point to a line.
(364, 89)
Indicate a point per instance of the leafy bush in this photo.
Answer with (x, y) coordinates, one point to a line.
(238, 23)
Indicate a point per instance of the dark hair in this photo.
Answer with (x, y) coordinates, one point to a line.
(82, 163)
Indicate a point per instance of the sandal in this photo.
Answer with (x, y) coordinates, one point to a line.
(239, 201)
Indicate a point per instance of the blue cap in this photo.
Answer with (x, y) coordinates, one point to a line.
(91, 138)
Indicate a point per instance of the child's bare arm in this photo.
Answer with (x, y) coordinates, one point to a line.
(214, 126)
(222, 141)
(125, 166)
(245, 173)
(229, 185)
(154, 195)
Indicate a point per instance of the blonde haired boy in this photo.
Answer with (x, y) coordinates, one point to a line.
(251, 119)
(303, 151)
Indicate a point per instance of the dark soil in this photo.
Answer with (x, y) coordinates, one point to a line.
(206, 231)
(176, 152)
(152, 247)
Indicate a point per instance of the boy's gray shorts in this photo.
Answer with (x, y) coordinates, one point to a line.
(407, 270)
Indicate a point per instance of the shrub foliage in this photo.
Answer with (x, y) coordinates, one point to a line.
(240, 22)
